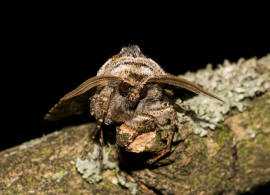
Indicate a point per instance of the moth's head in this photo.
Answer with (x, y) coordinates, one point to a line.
(131, 51)
(133, 92)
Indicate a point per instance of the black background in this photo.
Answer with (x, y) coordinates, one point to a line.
(49, 51)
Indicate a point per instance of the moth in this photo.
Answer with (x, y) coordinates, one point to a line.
(128, 91)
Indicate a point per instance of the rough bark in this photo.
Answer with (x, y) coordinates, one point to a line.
(232, 159)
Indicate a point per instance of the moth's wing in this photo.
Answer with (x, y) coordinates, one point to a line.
(76, 102)
(74, 106)
(182, 83)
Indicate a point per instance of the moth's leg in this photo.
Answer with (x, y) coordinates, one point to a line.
(99, 106)
(165, 151)
(168, 113)
(101, 141)
(97, 129)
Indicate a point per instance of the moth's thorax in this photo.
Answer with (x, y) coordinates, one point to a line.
(129, 62)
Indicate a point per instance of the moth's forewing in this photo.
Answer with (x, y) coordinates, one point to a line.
(74, 106)
(76, 102)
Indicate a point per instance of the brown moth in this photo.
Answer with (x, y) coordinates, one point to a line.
(128, 91)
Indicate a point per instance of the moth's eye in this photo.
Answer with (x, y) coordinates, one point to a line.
(124, 88)
(143, 92)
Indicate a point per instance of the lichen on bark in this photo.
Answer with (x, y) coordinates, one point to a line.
(232, 159)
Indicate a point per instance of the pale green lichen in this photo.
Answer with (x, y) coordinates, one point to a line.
(59, 175)
(91, 169)
(130, 185)
(251, 133)
(232, 82)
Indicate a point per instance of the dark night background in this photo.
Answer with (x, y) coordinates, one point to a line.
(50, 51)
